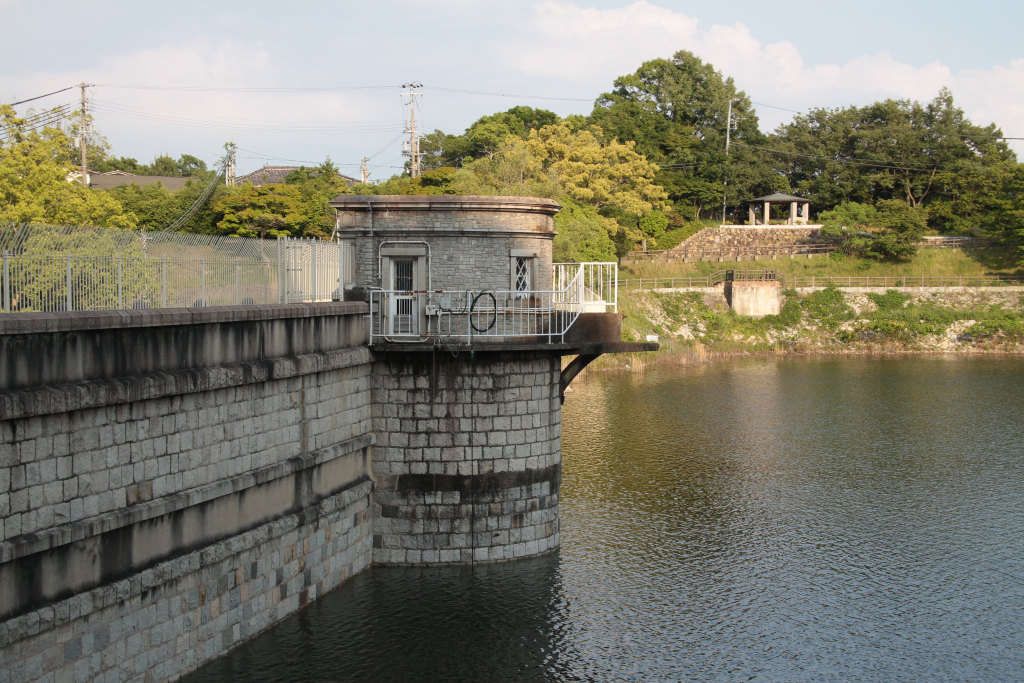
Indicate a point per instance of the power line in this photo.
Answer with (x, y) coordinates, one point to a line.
(39, 97)
(259, 89)
(510, 95)
(255, 125)
(875, 164)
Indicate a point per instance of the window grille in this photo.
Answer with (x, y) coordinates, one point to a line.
(403, 275)
(522, 275)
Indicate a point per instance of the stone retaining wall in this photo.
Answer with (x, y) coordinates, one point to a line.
(152, 520)
(736, 243)
(468, 462)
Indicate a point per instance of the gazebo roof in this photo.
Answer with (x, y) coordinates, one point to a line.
(778, 197)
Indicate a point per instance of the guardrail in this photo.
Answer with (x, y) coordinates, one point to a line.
(598, 282)
(462, 316)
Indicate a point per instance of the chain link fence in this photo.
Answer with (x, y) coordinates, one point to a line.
(47, 268)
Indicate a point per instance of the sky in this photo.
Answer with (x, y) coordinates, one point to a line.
(296, 83)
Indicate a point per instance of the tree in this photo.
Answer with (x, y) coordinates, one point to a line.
(34, 185)
(895, 149)
(889, 231)
(675, 112)
(264, 211)
(582, 234)
(163, 165)
(189, 165)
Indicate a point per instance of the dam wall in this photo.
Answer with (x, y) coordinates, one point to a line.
(173, 482)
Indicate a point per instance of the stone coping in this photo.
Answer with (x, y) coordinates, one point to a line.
(69, 321)
(561, 349)
(94, 393)
(392, 202)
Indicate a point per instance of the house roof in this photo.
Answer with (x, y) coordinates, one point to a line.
(112, 179)
(779, 197)
(269, 175)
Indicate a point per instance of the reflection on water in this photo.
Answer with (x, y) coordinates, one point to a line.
(792, 519)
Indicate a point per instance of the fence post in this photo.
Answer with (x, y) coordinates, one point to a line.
(237, 299)
(120, 298)
(7, 283)
(280, 273)
(312, 270)
(202, 281)
(165, 282)
(67, 282)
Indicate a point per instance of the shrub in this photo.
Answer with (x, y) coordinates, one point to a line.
(828, 306)
(889, 301)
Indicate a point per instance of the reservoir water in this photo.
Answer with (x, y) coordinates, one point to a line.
(793, 519)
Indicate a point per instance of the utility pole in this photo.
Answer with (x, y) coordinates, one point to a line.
(725, 180)
(82, 136)
(412, 147)
(365, 171)
(229, 164)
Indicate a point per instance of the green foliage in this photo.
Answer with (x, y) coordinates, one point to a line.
(890, 301)
(654, 224)
(1002, 324)
(889, 231)
(828, 307)
(675, 111)
(913, 148)
(791, 311)
(34, 186)
(266, 211)
(582, 234)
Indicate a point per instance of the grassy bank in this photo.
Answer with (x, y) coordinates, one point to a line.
(692, 325)
(978, 262)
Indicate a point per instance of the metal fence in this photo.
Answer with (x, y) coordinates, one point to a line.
(495, 315)
(62, 268)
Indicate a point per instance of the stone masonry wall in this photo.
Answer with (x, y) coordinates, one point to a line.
(468, 462)
(470, 237)
(738, 243)
(464, 262)
(167, 620)
(152, 521)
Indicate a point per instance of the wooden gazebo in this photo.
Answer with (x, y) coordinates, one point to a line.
(799, 208)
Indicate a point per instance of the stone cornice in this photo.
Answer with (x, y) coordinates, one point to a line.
(433, 203)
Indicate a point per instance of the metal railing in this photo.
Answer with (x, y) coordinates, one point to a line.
(598, 282)
(462, 316)
(61, 268)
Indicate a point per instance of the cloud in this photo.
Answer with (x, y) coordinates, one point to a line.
(193, 96)
(590, 47)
